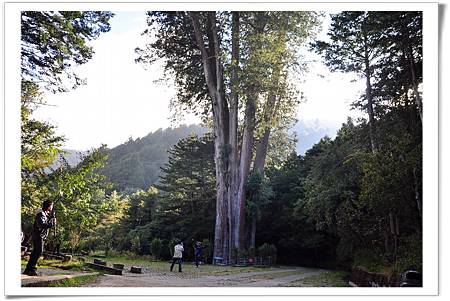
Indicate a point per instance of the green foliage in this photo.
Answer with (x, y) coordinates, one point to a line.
(156, 247)
(258, 195)
(136, 164)
(187, 204)
(54, 41)
(266, 250)
(74, 282)
(180, 206)
(135, 243)
(39, 143)
(409, 254)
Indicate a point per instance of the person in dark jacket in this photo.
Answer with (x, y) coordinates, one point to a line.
(42, 222)
(198, 252)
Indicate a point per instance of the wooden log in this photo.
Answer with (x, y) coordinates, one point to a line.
(136, 270)
(107, 269)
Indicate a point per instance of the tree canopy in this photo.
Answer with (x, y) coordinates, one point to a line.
(53, 42)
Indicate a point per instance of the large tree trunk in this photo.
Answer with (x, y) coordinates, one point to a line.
(369, 96)
(233, 125)
(261, 151)
(244, 169)
(214, 79)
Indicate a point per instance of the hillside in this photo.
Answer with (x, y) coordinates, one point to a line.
(136, 163)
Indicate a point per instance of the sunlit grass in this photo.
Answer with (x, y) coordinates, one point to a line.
(72, 265)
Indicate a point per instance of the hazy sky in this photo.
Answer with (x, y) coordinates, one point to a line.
(121, 99)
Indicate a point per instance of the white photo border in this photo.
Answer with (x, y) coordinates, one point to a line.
(12, 145)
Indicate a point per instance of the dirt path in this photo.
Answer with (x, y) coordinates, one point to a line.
(274, 277)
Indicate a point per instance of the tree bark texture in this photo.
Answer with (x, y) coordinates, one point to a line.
(233, 126)
(214, 80)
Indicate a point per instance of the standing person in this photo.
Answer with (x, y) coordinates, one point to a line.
(198, 252)
(42, 222)
(177, 256)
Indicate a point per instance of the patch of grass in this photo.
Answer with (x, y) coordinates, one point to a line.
(188, 267)
(73, 265)
(326, 279)
(74, 282)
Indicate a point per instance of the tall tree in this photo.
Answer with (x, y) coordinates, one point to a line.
(355, 45)
(207, 70)
(52, 42)
(186, 206)
(401, 60)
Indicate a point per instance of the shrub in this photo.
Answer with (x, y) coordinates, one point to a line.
(409, 254)
(273, 252)
(251, 252)
(264, 250)
(135, 244)
(156, 248)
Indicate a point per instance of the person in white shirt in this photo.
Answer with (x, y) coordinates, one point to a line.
(177, 256)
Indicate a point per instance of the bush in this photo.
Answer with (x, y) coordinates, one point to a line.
(273, 252)
(264, 250)
(156, 248)
(135, 244)
(409, 254)
(372, 260)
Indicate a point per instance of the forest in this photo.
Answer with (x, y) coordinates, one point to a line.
(239, 185)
